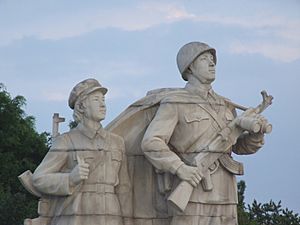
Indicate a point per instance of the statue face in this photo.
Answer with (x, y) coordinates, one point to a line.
(203, 68)
(95, 108)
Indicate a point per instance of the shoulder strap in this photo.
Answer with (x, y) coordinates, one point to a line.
(74, 153)
(235, 105)
(214, 115)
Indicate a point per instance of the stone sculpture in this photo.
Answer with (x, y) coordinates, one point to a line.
(179, 143)
(165, 160)
(83, 178)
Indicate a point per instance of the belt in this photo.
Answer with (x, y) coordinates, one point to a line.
(98, 188)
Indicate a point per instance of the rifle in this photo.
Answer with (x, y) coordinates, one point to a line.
(227, 137)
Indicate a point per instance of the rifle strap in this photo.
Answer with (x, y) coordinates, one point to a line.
(214, 115)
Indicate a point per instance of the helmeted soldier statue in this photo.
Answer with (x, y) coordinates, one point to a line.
(83, 179)
(171, 128)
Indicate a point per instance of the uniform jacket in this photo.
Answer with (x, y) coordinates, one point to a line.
(107, 187)
(183, 125)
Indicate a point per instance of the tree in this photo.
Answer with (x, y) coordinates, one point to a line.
(270, 213)
(243, 214)
(21, 148)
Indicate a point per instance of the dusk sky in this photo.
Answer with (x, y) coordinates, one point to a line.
(46, 47)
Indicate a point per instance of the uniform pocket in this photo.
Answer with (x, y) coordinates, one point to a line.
(114, 165)
(117, 156)
(189, 118)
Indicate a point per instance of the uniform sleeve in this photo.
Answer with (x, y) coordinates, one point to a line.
(124, 190)
(157, 137)
(47, 177)
(248, 143)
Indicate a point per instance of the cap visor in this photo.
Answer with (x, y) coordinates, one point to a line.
(102, 89)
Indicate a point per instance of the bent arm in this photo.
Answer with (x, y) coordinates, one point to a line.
(47, 177)
(248, 143)
(157, 136)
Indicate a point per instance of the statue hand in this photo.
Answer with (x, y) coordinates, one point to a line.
(80, 172)
(190, 174)
(254, 123)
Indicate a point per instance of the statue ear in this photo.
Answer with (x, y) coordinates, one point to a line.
(188, 72)
(191, 67)
(81, 106)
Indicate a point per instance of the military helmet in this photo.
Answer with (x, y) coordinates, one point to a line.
(83, 88)
(189, 52)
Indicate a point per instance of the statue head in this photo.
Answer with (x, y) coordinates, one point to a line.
(189, 53)
(87, 100)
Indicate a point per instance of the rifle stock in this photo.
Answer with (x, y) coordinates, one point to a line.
(180, 197)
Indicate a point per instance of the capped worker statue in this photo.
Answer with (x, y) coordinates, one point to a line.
(83, 179)
(180, 143)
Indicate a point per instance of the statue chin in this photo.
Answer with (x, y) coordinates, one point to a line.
(204, 79)
(207, 80)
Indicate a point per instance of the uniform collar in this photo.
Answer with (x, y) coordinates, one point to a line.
(200, 90)
(91, 133)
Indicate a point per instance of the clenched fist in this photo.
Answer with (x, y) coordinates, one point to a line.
(80, 172)
(190, 174)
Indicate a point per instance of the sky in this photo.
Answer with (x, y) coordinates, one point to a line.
(47, 47)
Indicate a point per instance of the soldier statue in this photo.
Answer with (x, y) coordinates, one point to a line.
(188, 136)
(83, 179)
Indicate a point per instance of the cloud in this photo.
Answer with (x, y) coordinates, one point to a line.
(125, 92)
(55, 26)
(274, 37)
(170, 12)
(54, 96)
(290, 31)
(115, 92)
(144, 15)
(121, 78)
(273, 51)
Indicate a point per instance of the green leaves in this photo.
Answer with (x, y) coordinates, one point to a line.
(21, 148)
(270, 213)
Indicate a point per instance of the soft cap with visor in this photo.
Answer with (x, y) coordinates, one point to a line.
(83, 88)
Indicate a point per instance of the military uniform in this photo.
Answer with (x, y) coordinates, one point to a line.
(183, 126)
(102, 198)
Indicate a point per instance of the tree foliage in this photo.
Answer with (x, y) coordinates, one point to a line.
(21, 148)
(270, 213)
